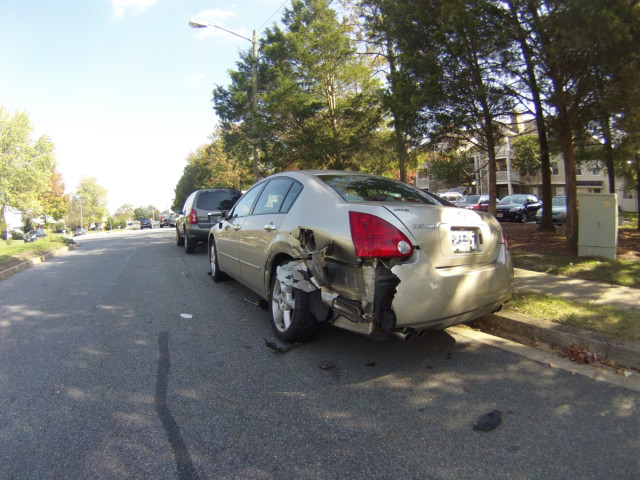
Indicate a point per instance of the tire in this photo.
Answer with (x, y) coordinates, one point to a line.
(189, 245)
(216, 274)
(290, 313)
(179, 239)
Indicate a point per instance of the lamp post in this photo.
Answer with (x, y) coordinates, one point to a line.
(254, 86)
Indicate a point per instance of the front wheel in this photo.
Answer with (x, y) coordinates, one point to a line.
(216, 274)
(179, 239)
(290, 312)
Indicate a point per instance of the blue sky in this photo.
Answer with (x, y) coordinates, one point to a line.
(123, 87)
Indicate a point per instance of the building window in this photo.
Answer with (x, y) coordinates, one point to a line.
(555, 170)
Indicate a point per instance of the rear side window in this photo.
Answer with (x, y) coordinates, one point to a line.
(277, 197)
(217, 199)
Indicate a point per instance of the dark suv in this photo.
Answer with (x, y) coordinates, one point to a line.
(201, 210)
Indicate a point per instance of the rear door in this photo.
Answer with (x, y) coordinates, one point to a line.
(260, 229)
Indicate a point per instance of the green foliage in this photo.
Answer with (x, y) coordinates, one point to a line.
(319, 105)
(146, 212)
(89, 204)
(210, 167)
(25, 164)
(452, 168)
(527, 155)
(124, 213)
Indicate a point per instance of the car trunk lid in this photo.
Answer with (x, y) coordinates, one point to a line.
(451, 236)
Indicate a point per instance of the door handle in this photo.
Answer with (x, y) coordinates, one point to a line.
(269, 227)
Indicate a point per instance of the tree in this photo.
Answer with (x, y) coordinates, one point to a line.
(55, 203)
(319, 106)
(521, 22)
(452, 168)
(210, 167)
(146, 212)
(576, 48)
(89, 204)
(124, 213)
(25, 164)
(452, 55)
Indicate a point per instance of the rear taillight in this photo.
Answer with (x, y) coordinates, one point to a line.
(375, 237)
(193, 216)
(504, 240)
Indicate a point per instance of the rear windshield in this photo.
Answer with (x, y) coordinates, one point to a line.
(360, 188)
(217, 199)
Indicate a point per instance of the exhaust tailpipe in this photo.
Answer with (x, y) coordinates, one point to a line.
(407, 334)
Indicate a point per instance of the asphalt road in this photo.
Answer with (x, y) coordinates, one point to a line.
(122, 359)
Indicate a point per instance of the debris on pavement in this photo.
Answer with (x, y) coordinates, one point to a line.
(326, 365)
(488, 421)
(278, 348)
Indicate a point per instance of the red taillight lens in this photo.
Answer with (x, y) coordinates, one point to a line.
(193, 216)
(504, 240)
(375, 237)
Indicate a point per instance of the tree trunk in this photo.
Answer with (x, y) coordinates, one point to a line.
(399, 143)
(571, 188)
(546, 224)
(608, 152)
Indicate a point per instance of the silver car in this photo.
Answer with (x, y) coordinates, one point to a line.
(366, 253)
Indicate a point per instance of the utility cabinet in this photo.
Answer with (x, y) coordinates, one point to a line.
(597, 225)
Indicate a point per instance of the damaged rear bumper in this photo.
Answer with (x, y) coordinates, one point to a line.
(377, 298)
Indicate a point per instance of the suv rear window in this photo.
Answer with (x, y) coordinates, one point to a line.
(217, 199)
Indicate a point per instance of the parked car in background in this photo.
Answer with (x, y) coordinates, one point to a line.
(168, 219)
(518, 208)
(201, 210)
(30, 236)
(79, 231)
(474, 202)
(452, 197)
(558, 210)
(145, 223)
(363, 252)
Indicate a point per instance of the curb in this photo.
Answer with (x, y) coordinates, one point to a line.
(4, 274)
(529, 330)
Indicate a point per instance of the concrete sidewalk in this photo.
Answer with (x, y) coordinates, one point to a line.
(583, 291)
(529, 330)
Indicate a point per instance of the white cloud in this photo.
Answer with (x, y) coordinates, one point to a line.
(122, 7)
(215, 17)
(196, 78)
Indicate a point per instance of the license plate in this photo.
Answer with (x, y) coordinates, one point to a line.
(499, 214)
(463, 241)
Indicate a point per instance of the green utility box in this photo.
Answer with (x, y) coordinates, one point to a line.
(597, 225)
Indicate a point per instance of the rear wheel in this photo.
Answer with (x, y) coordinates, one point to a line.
(216, 274)
(290, 312)
(189, 244)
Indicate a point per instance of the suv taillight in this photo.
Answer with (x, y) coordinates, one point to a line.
(193, 216)
(375, 237)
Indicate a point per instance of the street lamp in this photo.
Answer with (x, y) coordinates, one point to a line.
(254, 86)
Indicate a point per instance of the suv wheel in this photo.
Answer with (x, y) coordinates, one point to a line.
(189, 245)
(179, 239)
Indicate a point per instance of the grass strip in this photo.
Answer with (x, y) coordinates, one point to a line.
(607, 320)
(14, 252)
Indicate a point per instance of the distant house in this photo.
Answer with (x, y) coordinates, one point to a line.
(13, 218)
